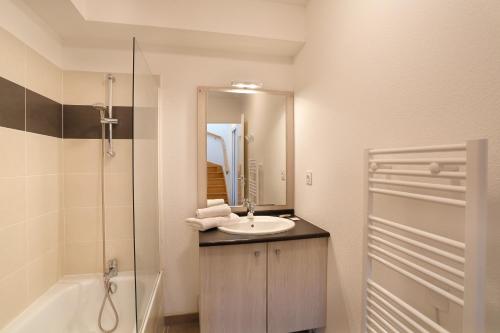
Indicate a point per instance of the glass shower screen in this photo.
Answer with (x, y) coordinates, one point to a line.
(145, 166)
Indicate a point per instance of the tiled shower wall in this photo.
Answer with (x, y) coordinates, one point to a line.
(82, 147)
(31, 224)
(49, 175)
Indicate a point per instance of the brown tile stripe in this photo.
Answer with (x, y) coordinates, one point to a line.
(11, 105)
(43, 115)
(83, 122)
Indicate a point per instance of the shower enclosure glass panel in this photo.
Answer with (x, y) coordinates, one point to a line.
(145, 155)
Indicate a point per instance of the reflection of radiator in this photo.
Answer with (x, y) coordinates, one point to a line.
(253, 181)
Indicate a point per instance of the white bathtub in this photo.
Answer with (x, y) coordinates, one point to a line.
(72, 306)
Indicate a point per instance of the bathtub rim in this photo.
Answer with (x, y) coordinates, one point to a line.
(151, 301)
(54, 291)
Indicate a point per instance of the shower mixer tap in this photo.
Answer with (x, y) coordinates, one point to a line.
(112, 269)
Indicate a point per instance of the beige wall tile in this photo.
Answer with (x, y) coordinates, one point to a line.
(81, 190)
(87, 88)
(118, 189)
(122, 90)
(43, 77)
(82, 155)
(81, 258)
(12, 151)
(99, 257)
(12, 63)
(43, 235)
(13, 295)
(44, 154)
(82, 224)
(84, 88)
(119, 222)
(43, 194)
(122, 161)
(12, 200)
(13, 241)
(42, 274)
(61, 231)
(123, 251)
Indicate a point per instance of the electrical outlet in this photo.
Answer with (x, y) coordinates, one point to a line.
(309, 178)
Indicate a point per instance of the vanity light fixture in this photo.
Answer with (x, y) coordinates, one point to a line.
(246, 85)
(242, 91)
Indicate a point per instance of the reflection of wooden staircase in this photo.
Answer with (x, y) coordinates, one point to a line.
(216, 186)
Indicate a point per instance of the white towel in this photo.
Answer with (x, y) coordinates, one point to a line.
(215, 202)
(215, 211)
(212, 222)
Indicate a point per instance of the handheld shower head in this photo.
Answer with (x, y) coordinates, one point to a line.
(101, 108)
(106, 121)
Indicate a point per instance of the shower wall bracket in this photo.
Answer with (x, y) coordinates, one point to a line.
(110, 120)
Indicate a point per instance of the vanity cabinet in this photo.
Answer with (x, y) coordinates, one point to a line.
(275, 287)
(233, 288)
(296, 285)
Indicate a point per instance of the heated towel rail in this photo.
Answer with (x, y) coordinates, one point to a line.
(452, 269)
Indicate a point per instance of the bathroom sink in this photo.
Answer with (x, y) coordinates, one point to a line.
(259, 225)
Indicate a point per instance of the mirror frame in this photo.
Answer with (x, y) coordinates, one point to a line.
(202, 149)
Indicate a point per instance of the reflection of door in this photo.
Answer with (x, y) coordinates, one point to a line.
(234, 165)
(241, 162)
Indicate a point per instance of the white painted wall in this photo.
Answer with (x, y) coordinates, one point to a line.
(383, 74)
(180, 76)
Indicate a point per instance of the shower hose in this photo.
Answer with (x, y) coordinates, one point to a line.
(107, 297)
(108, 284)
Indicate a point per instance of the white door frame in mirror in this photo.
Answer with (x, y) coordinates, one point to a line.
(202, 148)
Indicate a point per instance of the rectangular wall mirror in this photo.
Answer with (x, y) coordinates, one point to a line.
(245, 148)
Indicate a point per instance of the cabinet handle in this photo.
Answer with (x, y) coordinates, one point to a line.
(256, 254)
(277, 251)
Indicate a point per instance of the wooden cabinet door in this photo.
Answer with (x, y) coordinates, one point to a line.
(233, 288)
(296, 297)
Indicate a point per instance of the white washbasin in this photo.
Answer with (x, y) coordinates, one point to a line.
(259, 225)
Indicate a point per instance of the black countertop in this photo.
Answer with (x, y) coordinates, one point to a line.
(302, 230)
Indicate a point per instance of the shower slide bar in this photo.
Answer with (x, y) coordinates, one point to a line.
(393, 245)
(110, 121)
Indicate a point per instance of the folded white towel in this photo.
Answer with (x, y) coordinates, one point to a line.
(215, 211)
(212, 222)
(214, 202)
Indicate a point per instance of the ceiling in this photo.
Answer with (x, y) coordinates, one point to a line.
(186, 26)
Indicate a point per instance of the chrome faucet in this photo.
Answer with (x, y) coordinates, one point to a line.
(112, 269)
(250, 206)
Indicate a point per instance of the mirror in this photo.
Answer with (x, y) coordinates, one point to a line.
(247, 147)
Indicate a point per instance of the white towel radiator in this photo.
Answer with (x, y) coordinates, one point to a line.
(455, 270)
(254, 181)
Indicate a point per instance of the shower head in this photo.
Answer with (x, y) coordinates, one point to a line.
(106, 121)
(101, 108)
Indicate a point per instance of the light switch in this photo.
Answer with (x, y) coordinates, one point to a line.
(309, 178)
